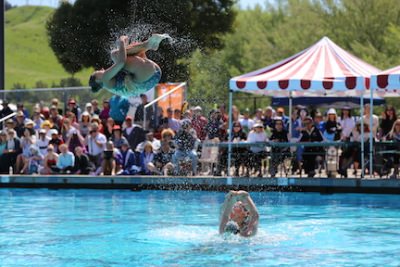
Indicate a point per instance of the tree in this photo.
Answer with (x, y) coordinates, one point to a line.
(82, 34)
(7, 6)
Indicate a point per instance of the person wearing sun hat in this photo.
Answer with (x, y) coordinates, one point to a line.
(333, 129)
(257, 153)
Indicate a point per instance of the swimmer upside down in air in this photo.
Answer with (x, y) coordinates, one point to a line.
(132, 72)
(239, 214)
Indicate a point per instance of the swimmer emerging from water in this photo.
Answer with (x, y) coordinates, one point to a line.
(239, 214)
(132, 72)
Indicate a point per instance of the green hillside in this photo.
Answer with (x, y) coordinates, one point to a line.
(28, 56)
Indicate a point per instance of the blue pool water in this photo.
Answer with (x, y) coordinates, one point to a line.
(179, 228)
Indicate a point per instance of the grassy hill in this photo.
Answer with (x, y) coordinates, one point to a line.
(29, 57)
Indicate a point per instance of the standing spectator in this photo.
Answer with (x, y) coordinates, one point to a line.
(95, 142)
(84, 124)
(74, 108)
(319, 122)
(55, 117)
(50, 160)
(235, 114)
(215, 126)
(19, 123)
(131, 164)
(3, 142)
(259, 115)
(42, 142)
(133, 133)
(55, 103)
(119, 107)
(105, 112)
(389, 116)
(246, 122)
(139, 113)
(20, 107)
(178, 114)
(37, 118)
(394, 136)
(173, 123)
(333, 128)
(55, 140)
(13, 149)
(278, 154)
(375, 120)
(268, 119)
(6, 109)
(82, 164)
(239, 154)
(65, 161)
(280, 112)
(186, 141)
(67, 129)
(108, 128)
(199, 123)
(95, 107)
(257, 153)
(311, 134)
(347, 123)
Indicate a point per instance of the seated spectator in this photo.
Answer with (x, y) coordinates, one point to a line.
(37, 118)
(146, 157)
(278, 154)
(27, 140)
(239, 154)
(9, 125)
(111, 159)
(42, 142)
(162, 161)
(65, 162)
(268, 119)
(95, 107)
(257, 153)
(311, 153)
(89, 108)
(55, 140)
(49, 161)
(333, 128)
(149, 138)
(131, 164)
(47, 126)
(319, 122)
(117, 138)
(167, 135)
(186, 146)
(215, 126)
(19, 125)
(84, 124)
(55, 118)
(55, 102)
(95, 143)
(32, 163)
(82, 165)
(162, 126)
(280, 112)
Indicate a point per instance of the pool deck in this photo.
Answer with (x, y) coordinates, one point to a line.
(136, 183)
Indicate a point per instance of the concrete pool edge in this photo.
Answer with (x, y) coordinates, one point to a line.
(322, 185)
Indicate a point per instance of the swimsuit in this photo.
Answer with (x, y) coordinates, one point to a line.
(142, 87)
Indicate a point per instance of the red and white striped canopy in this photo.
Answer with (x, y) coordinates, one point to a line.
(387, 80)
(322, 67)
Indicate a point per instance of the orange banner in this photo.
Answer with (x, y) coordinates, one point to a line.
(174, 100)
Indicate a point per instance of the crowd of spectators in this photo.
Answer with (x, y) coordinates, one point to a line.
(99, 141)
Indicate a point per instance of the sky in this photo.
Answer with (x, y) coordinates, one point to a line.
(54, 3)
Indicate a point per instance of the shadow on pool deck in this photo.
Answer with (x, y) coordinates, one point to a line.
(295, 184)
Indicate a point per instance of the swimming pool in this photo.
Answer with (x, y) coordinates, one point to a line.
(179, 228)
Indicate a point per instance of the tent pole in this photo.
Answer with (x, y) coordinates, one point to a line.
(290, 114)
(371, 136)
(362, 134)
(230, 135)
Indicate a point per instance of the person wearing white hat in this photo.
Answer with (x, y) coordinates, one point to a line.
(257, 153)
(333, 128)
(43, 142)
